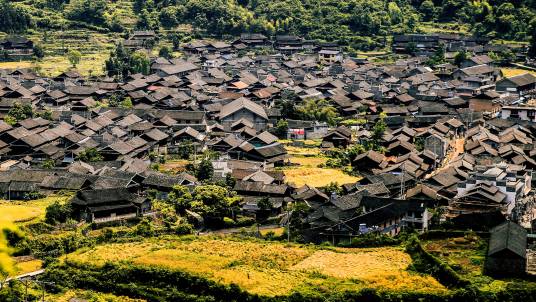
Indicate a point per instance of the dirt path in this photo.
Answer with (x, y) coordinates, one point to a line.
(458, 149)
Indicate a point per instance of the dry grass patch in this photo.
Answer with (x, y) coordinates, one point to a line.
(269, 268)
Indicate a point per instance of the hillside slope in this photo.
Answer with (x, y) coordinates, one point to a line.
(359, 24)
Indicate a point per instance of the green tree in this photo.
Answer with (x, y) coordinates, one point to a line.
(58, 212)
(180, 198)
(333, 187)
(90, 155)
(74, 57)
(169, 16)
(265, 206)
(378, 131)
(212, 201)
(115, 25)
(185, 149)
(460, 57)
(288, 108)
(395, 13)
(114, 100)
(126, 103)
(89, 11)
(318, 110)
(45, 114)
(230, 181)
(140, 62)
(123, 62)
(411, 48)
(48, 164)
(427, 8)
(532, 45)
(507, 56)
(281, 129)
(205, 170)
(20, 112)
(145, 228)
(10, 120)
(147, 20)
(13, 18)
(165, 52)
(38, 51)
(119, 62)
(437, 58)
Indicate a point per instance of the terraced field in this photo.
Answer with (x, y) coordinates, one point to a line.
(268, 268)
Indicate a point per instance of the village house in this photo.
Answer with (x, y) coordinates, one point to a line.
(526, 113)
(491, 191)
(507, 252)
(519, 84)
(441, 142)
(107, 205)
(17, 47)
(140, 40)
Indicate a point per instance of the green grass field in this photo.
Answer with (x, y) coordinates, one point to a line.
(466, 255)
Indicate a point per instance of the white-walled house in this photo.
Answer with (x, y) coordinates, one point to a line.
(526, 113)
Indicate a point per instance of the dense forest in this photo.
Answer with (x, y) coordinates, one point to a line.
(356, 23)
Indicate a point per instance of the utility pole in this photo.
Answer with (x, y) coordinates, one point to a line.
(402, 180)
(42, 284)
(289, 214)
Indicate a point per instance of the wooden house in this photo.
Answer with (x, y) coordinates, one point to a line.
(507, 254)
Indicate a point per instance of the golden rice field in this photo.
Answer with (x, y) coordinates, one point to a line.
(26, 211)
(303, 151)
(91, 296)
(174, 166)
(270, 268)
(24, 267)
(310, 162)
(275, 231)
(317, 177)
(91, 64)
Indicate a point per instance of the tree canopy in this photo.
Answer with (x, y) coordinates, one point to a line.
(356, 24)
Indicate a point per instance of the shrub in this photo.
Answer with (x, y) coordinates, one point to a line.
(228, 222)
(58, 212)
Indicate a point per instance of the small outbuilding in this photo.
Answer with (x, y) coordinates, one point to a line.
(507, 254)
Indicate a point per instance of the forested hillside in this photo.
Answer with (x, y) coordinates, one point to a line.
(357, 23)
